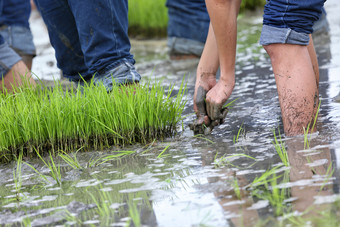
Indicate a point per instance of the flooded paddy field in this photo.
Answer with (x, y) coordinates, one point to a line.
(233, 177)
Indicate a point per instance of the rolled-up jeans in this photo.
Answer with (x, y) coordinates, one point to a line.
(89, 36)
(188, 26)
(19, 38)
(8, 58)
(289, 21)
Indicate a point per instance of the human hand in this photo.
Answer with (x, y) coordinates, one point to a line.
(203, 124)
(216, 98)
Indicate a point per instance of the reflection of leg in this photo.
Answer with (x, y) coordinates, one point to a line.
(231, 193)
(296, 85)
(302, 170)
(236, 205)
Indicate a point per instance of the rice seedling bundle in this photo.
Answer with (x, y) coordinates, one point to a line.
(45, 119)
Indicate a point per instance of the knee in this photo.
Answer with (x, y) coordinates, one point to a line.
(275, 51)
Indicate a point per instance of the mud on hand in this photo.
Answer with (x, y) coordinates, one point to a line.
(203, 124)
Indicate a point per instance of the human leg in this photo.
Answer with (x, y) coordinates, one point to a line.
(296, 85)
(64, 38)
(293, 59)
(90, 38)
(187, 27)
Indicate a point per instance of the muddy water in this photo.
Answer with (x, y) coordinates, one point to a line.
(198, 181)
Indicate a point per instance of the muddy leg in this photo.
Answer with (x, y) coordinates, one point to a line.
(16, 77)
(296, 85)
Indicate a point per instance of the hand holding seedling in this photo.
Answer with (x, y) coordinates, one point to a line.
(205, 123)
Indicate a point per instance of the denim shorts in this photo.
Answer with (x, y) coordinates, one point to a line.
(19, 38)
(8, 58)
(289, 21)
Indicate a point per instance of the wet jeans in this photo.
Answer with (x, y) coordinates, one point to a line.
(188, 26)
(89, 36)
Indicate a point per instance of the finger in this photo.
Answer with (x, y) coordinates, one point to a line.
(200, 101)
(223, 115)
(216, 112)
(200, 124)
(209, 108)
(215, 123)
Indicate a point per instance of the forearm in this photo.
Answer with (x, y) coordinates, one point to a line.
(223, 16)
(209, 61)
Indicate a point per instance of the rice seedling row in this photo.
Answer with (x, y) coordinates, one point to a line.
(45, 119)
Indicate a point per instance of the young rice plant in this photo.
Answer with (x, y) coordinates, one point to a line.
(46, 119)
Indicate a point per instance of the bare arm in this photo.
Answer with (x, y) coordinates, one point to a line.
(223, 15)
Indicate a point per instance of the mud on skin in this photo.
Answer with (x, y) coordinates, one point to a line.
(203, 124)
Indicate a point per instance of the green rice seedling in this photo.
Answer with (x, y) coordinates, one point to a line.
(17, 177)
(280, 148)
(240, 132)
(263, 179)
(26, 222)
(329, 174)
(134, 213)
(161, 155)
(72, 161)
(57, 119)
(200, 136)
(237, 189)
(224, 159)
(306, 130)
(113, 157)
(103, 204)
(230, 104)
(72, 220)
(52, 166)
(275, 195)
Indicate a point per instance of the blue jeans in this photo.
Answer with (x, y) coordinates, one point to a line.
(15, 12)
(188, 26)
(8, 57)
(19, 38)
(89, 36)
(289, 21)
(14, 26)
